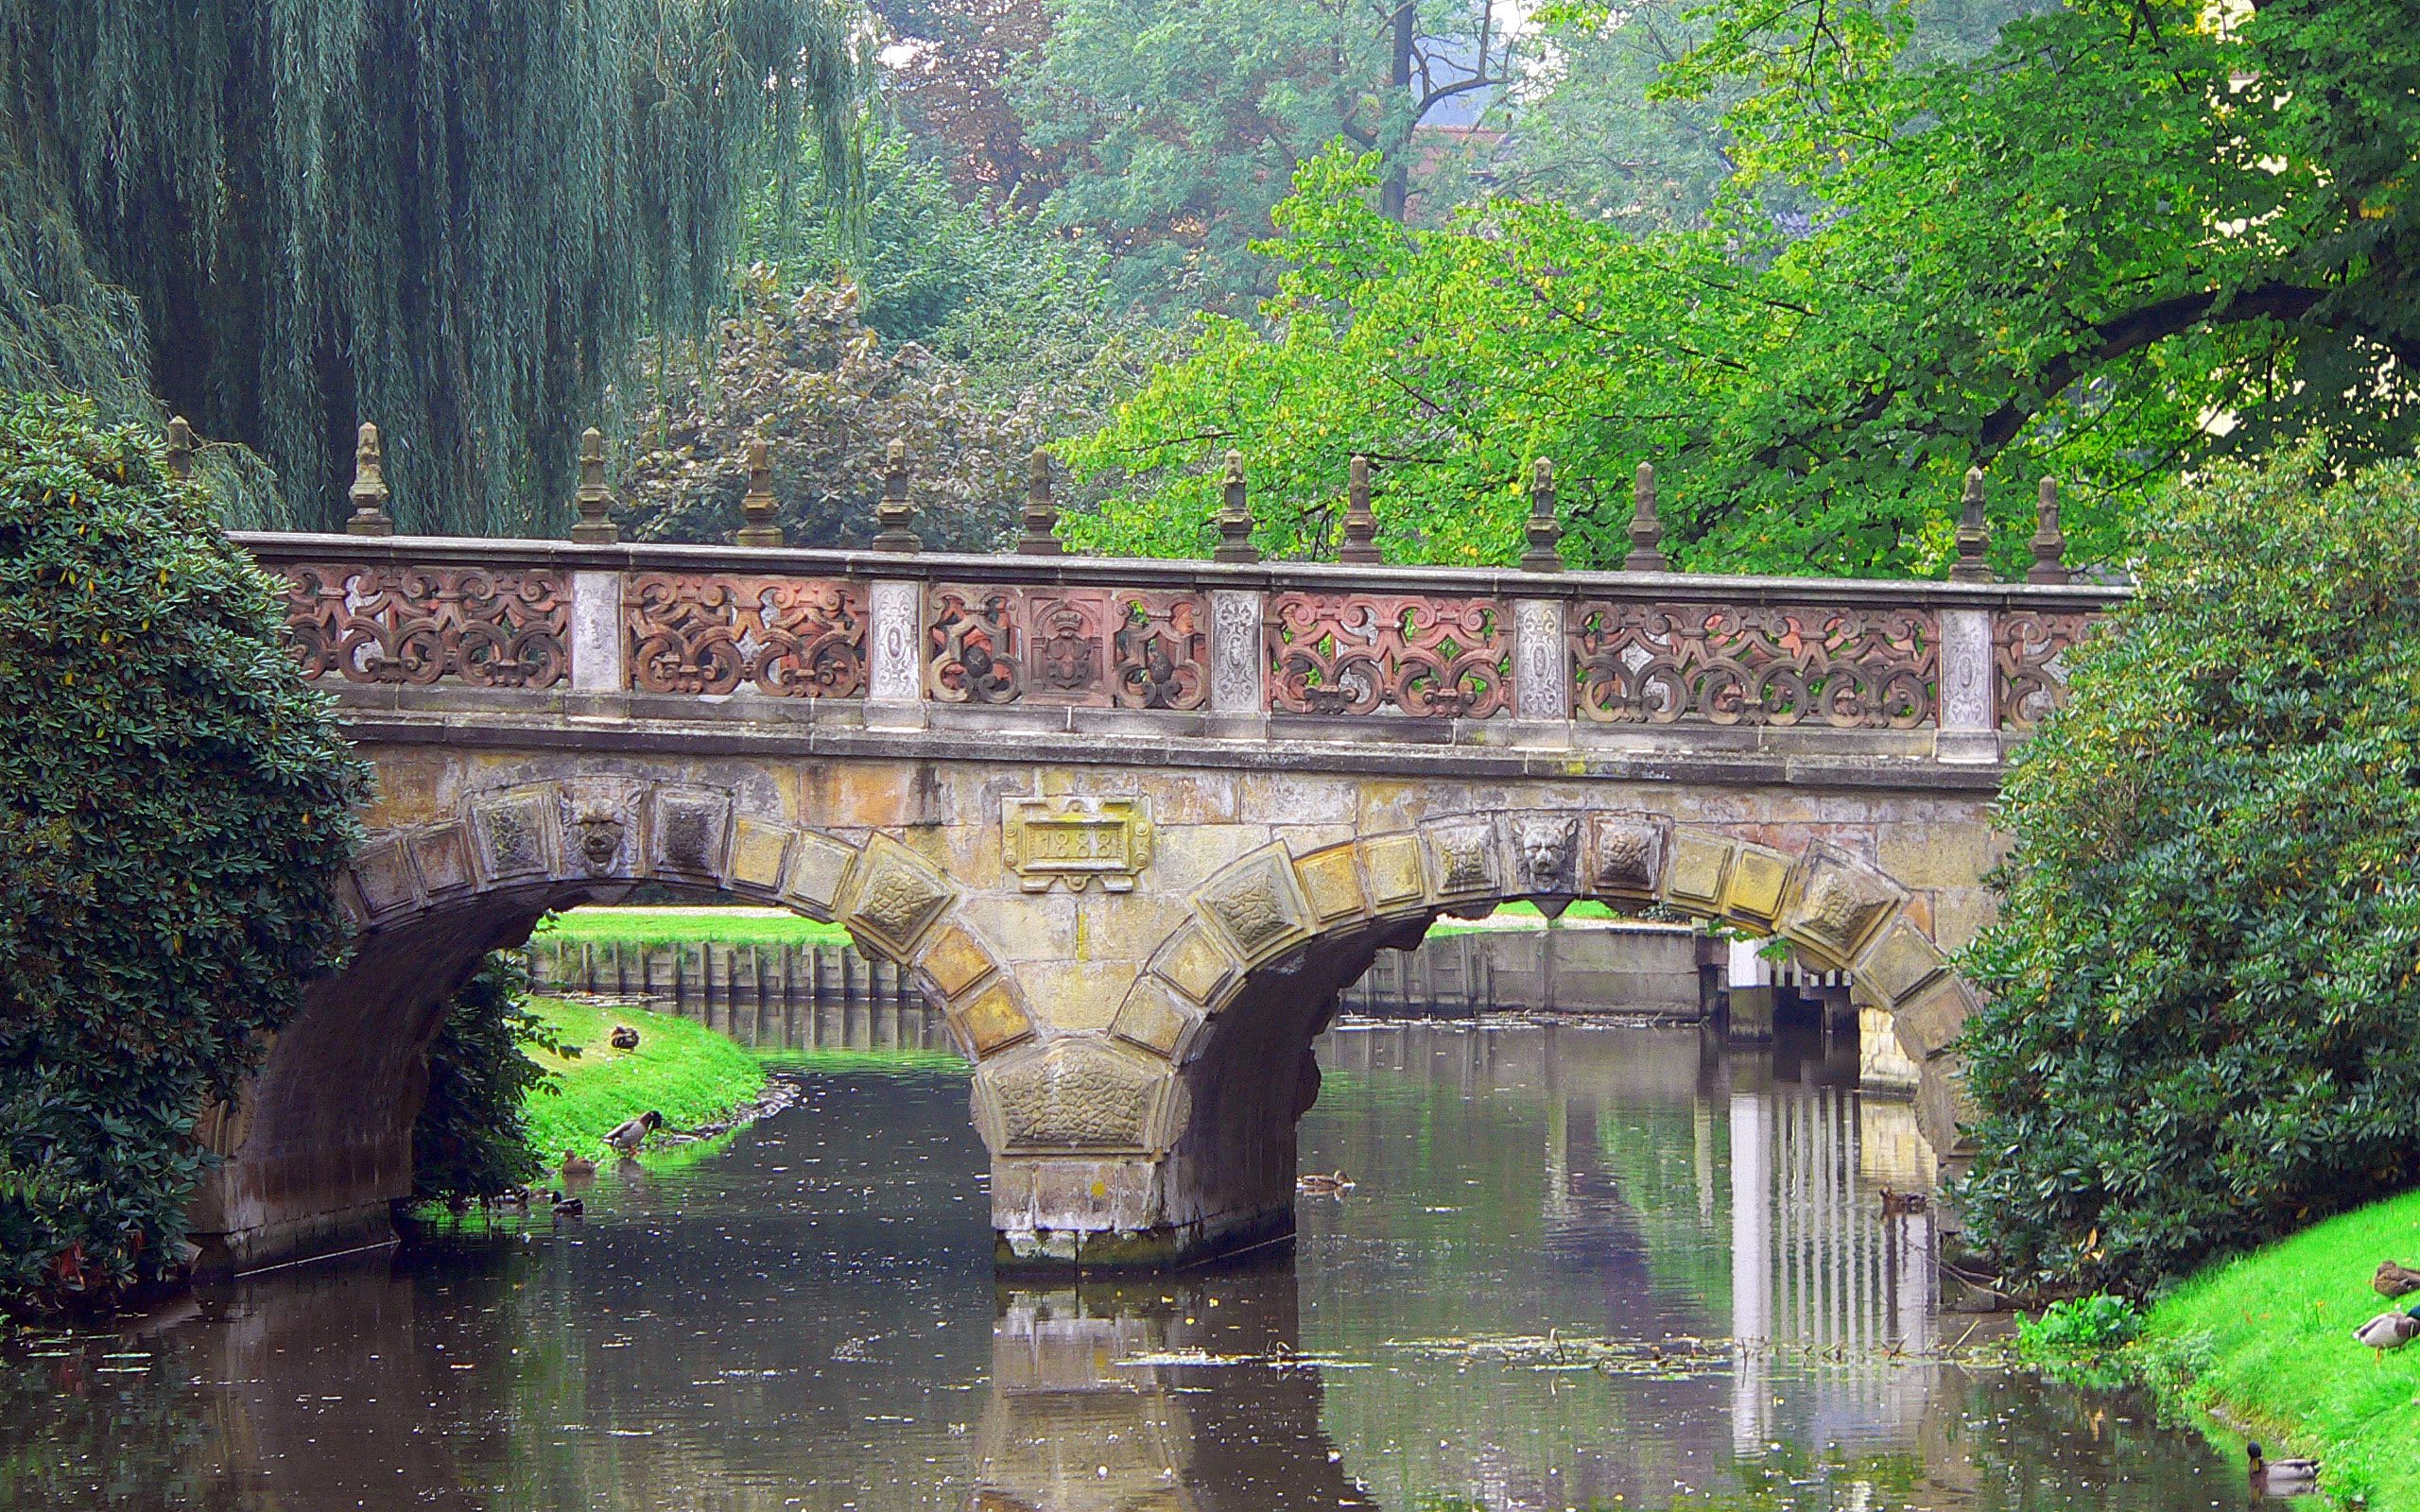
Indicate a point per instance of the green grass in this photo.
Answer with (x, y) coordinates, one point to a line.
(651, 928)
(1528, 914)
(684, 1071)
(2266, 1341)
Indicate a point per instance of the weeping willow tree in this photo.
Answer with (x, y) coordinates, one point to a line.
(451, 216)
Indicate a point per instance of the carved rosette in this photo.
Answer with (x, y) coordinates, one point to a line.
(794, 637)
(423, 624)
(1359, 653)
(1661, 663)
(2028, 654)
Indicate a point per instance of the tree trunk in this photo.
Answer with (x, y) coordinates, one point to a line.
(1394, 191)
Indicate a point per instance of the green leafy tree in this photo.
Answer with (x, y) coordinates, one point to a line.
(453, 218)
(1178, 126)
(472, 1138)
(2096, 250)
(175, 806)
(2204, 1027)
(799, 370)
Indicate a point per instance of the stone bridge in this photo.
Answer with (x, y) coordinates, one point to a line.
(1132, 824)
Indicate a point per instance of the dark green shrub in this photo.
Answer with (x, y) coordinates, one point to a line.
(174, 805)
(472, 1139)
(2205, 1026)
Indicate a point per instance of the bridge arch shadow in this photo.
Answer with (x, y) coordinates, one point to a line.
(313, 1155)
(1212, 1045)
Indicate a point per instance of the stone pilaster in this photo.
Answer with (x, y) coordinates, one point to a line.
(1540, 665)
(1968, 732)
(893, 684)
(596, 632)
(1236, 662)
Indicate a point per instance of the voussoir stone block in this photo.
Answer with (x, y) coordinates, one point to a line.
(383, 871)
(895, 896)
(1930, 1020)
(442, 856)
(1625, 855)
(1196, 963)
(691, 829)
(1545, 846)
(1837, 904)
(1331, 884)
(1253, 902)
(758, 851)
(818, 870)
(993, 1019)
(1154, 1018)
(1391, 865)
(516, 835)
(1462, 860)
(1751, 894)
(953, 960)
(1900, 961)
(1700, 866)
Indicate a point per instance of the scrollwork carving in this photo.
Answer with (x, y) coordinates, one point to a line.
(424, 624)
(1661, 663)
(1358, 653)
(795, 637)
(1094, 647)
(2028, 654)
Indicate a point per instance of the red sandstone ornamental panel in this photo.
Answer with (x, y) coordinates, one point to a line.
(1096, 648)
(1359, 653)
(1661, 663)
(502, 628)
(791, 637)
(2028, 653)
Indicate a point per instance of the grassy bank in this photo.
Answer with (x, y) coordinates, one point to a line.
(653, 928)
(2266, 1341)
(688, 1073)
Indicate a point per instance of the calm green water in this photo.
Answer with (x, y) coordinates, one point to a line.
(1580, 1268)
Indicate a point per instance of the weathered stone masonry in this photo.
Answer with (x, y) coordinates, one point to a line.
(1131, 825)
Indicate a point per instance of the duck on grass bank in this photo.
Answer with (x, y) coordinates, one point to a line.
(2281, 1477)
(1325, 1183)
(627, 1138)
(2394, 1279)
(2388, 1331)
(623, 1038)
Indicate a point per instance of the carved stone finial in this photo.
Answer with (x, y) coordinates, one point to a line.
(180, 448)
(1360, 526)
(1546, 526)
(1040, 536)
(2049, 542)
(1974, 534)
(595, 500)
(757, 507)
(1646, 531)
(369, 516)
(1235, 516)
(893, 513)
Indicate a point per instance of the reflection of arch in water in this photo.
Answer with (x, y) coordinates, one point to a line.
(1233, 996)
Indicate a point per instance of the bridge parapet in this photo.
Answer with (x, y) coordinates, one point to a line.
(1483, 658)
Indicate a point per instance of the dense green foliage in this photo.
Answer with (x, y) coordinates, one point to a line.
(472, 1136)
(174, 807)
(2122, 241)
(2205, 1019)
(451, 217)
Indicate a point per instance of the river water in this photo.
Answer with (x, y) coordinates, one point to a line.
(1581, 1267)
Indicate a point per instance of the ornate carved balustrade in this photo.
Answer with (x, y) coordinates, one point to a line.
(1221, 651)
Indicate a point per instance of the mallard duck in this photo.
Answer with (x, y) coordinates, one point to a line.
(2394, 1279)
(627, 1138)
(623, 1038)
(578, 1164)
(2281, 1477)
(1898, 1202)
(2388, 1331)
(1325, 1183)
(568, 1207)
